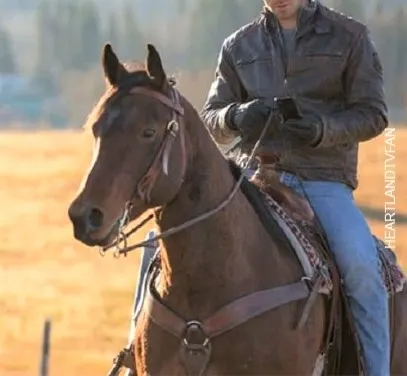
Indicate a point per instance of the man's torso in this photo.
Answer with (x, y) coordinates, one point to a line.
(308, 65)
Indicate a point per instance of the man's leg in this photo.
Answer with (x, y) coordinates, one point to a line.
(352, 244)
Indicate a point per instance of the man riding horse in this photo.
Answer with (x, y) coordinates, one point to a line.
(327, 62)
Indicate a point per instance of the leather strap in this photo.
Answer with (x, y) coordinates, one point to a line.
(159, 96)
(147, 182)
(161, 159)
(248, 307)
(229, 316)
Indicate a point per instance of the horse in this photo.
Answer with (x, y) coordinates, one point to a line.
(226, 292)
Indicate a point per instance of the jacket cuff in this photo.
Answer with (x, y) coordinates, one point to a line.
(228, 130)
(324, 133)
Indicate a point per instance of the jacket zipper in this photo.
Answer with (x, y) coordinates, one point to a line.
(284, 57)
(284, 62)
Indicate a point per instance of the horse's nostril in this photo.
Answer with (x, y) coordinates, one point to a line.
(95, 218)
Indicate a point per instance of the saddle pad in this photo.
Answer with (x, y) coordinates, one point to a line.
(307, 243)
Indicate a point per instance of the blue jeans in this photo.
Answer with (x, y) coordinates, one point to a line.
(351, 242)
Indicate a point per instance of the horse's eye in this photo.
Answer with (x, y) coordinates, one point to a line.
(149, 132)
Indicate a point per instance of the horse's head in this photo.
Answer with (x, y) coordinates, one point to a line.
(139, 153)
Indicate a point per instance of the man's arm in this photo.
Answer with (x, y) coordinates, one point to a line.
(225, 92)
(366, 113)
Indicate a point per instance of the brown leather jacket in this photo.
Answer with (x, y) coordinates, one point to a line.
(334, 73)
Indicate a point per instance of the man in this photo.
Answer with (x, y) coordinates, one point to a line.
(327, 62)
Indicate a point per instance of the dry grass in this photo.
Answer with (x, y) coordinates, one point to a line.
(45, 273)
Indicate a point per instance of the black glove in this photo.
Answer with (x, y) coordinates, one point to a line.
(306, 131)
(249, 118)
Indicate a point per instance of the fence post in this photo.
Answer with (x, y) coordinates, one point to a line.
(45, 349)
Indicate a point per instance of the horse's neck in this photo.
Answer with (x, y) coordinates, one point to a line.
(224, 255)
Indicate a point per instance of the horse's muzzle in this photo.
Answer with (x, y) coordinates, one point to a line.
(86, 221)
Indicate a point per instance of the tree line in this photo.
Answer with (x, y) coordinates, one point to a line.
(69, 36)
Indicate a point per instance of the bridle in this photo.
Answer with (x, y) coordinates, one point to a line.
(160, 163)
(161, 159)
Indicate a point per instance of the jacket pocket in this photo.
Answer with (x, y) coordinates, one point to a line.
(323, 71)
(325, 48)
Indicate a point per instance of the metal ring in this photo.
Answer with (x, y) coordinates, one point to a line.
(194, 323)
(173, 127)
(198, 325)
(122, 238)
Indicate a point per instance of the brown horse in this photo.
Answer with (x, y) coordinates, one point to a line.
(230, 288)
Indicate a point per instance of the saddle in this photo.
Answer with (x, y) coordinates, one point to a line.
(296, 212)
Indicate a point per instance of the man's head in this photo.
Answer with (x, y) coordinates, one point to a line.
(284, 9)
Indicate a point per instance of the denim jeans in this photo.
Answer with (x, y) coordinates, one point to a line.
(351, 242)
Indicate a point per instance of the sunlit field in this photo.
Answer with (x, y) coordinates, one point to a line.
(46, 273)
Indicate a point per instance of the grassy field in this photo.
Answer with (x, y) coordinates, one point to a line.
(45, 273)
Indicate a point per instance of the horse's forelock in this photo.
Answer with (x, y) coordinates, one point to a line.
(134, 66)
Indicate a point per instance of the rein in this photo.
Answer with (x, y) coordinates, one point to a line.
(146, 183)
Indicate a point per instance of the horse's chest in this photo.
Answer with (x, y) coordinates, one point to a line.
(156, 351)
(160, 354)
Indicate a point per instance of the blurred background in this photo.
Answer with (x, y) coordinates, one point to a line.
(47, 47)
(50, 77)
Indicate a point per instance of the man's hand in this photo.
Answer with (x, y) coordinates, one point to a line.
(306, 131)
(249, 118)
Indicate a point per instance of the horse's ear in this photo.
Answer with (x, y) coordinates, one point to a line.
(113, 69)
(155, 68)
